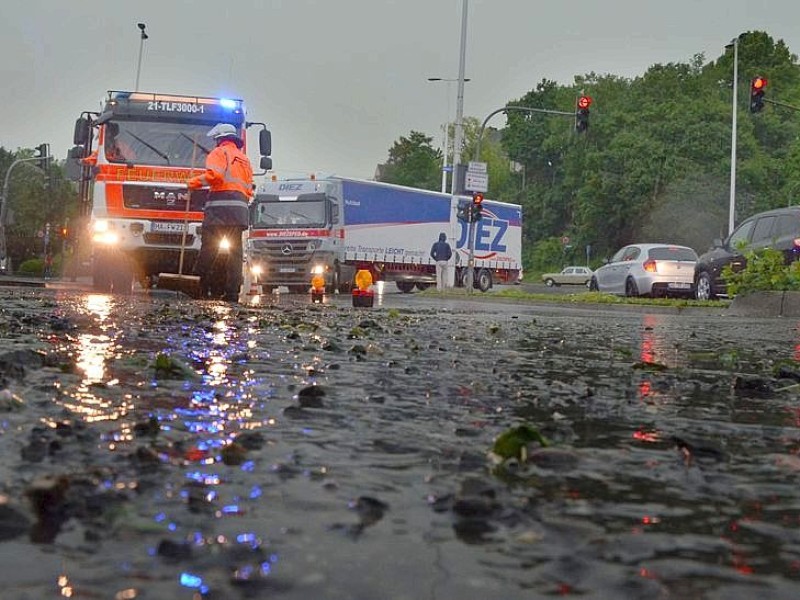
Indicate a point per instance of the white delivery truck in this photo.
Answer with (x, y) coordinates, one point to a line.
(336, 226)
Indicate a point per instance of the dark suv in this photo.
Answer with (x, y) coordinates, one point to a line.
(778, 228)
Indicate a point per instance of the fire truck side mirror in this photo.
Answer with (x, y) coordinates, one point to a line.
(82, 132)
(266, 163)
(265, 145)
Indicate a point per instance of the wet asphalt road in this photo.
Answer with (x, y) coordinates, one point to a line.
(162, 448)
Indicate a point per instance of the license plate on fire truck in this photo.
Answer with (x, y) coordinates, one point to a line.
(166, 227)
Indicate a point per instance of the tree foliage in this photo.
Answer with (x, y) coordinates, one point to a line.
(413, 162)
(35, 198)
(654, 165)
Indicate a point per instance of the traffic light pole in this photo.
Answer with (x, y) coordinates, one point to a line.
(783, 104)
(4, 212)
(468, 279)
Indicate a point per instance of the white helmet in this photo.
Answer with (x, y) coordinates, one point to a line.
(222, 130)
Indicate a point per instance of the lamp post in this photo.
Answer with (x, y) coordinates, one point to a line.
(732, 203)
(142, 38)
(446, 130)
(457, 187)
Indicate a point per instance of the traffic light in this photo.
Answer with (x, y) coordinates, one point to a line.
(477, 205)
(43, 156)
(464, 211)
(757, 85)
(582, 113)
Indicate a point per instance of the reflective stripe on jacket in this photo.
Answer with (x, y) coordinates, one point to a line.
(226, 208)
(227, 170)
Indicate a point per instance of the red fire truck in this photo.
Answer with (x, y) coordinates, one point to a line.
(132, 161)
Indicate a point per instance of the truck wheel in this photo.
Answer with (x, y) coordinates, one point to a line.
(422, 286)
(101, 276)
(483, 280)
(405, 286)
(122, 281)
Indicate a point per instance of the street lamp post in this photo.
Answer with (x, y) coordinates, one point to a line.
(142, 38)
(732, 202)
(445, 147)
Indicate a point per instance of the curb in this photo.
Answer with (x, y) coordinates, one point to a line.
(766, 304)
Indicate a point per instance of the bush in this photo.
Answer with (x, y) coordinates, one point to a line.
(765, 271)
(34, 267)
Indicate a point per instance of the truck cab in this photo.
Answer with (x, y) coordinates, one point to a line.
(295, 234)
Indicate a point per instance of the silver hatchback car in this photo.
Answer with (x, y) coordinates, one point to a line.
(648, 270)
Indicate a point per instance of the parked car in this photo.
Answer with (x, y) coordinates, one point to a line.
(778, 229)
(648, 270)
(568, 276)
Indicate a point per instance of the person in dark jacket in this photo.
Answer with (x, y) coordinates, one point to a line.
(226, 215)
(441, 253)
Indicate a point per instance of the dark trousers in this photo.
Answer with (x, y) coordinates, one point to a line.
(220, 272)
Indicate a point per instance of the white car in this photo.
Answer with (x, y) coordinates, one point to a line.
(568, 276)
(648, 270)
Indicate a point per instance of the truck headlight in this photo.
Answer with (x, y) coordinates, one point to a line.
(317, 269)
(103, 233)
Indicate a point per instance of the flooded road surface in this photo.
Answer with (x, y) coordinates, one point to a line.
(168, 449)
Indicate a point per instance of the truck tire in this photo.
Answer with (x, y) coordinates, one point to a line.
(122, 281)
(101, 276)
(405, 286)
(483, 280)
(422, 286)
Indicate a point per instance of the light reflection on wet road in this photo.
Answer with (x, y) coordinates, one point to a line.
(296, 451)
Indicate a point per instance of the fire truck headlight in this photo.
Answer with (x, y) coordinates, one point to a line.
(102, 233)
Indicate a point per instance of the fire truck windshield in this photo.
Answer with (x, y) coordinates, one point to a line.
(308, 210)
(157, 143)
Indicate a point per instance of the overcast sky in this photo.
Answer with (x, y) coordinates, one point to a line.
(338, 81)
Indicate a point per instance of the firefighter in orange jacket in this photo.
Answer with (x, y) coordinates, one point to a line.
(229, 176)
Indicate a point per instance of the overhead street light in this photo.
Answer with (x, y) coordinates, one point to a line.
(446, 130)
(142, 38)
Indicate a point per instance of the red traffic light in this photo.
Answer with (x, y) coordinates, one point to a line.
(477, 198)
(758, 83)
(584, 102)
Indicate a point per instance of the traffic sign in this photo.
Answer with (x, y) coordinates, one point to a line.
(476, 182)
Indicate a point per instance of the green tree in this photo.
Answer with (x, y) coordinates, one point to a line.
(413, 162)
(35, 198)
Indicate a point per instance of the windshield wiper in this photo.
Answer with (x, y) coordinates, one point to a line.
(196, 144)
(153, 148)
